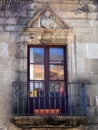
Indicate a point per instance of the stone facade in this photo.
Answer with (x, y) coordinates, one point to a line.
(76, 25)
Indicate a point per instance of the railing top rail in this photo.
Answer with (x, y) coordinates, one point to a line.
(26, 82)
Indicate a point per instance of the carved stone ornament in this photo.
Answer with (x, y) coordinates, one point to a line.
(47, 21)
(46, 27)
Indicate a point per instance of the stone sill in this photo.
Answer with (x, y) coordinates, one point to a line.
(47, 121)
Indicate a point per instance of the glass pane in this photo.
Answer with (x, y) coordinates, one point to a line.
(56, 72)
(57, 88)
(37, 89)
(56, 55)
(37, 72)
(36, 55)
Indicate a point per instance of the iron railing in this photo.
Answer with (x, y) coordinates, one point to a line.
(70, 100)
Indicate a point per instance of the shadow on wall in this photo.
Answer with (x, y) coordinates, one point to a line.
(83, 80)
(12, 5)
(92, 100)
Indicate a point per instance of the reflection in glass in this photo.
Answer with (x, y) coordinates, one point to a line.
(57, 88)
(37, 89)
(56, 72)
(36, 72)
(56, 55)
(36, 55)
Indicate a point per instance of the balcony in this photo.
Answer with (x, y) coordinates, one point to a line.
(37, 108)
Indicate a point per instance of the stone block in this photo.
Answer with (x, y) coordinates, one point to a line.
(71, 51)
(20, 13)
(1, 28)
(23, 64)
(32, 6)
(30, 13)
(92, 15)
(79, 39)
(70, 39)
(92, 23)
(23, 76)
(80, 65)
(22, 22)
(72, 68)
(24, 38)
(11, 21)
(92, 90)
(76, 66)
(6, 13)
(90, 38)
(11, 49)
(1, 77)
(5, 37)
(94, 65)
(96, 23)
(4, 65)
(63, 6)
(21, 50)
(80, 22)
(88, 66)
(95, 30)
(3, 49)
(92, 7)
(2, 20)
(92, 51)
(2, 12)
(80, 49)
(83, 29)
(11, 28)
(13, 65)
(73, 15)
(84, 77)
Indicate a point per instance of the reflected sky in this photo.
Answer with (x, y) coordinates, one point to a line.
(36, 55)
(55, 55)
(56, 51)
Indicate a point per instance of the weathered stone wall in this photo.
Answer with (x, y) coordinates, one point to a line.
(82, 50)
(8, 69)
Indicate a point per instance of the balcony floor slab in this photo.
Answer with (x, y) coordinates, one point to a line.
(48, 121)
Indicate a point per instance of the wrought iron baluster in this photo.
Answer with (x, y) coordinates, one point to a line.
(39, 96)
(75, 94)
(76, 99)
(28, 86)
(13, 101)
(65, 96)
(83, 99)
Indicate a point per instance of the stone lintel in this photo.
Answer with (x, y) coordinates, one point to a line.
(47, 36)
(46, 30)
